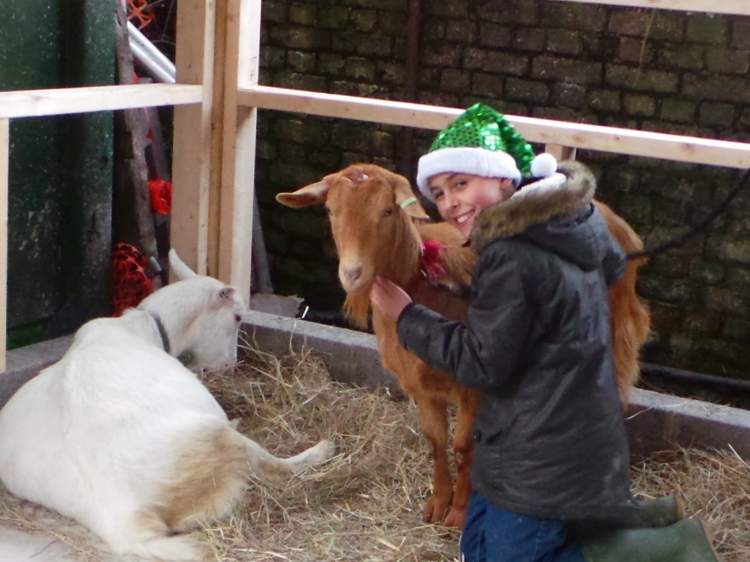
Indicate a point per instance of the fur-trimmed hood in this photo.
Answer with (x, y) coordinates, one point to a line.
(555, 213)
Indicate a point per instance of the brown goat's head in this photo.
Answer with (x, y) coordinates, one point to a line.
(369, 224)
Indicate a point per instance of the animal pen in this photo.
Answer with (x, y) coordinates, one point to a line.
(217, 97)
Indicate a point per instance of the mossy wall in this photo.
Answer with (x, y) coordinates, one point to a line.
(60, 168)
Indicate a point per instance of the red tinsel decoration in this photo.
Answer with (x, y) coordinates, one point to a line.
(160, 192)
(429, 260)
(129, 280)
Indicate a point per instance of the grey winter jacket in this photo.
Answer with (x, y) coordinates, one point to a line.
(550, 436)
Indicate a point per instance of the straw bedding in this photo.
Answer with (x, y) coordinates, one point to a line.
(365, 504)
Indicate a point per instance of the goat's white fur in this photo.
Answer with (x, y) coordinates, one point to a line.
(122, 437)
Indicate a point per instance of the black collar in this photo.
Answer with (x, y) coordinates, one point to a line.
(162, 330)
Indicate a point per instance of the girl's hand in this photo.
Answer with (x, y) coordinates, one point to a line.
(388, 297)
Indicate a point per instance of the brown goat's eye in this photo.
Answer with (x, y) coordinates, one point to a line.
(388, 212)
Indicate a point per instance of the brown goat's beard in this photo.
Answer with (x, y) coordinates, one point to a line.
(357, 307)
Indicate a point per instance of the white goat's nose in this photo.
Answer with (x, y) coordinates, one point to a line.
(353, 273)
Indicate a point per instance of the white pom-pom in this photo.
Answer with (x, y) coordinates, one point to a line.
(543, 165)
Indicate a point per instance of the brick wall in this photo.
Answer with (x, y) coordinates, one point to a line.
(651, 70)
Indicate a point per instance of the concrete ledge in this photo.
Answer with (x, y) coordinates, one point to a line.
(655, 421)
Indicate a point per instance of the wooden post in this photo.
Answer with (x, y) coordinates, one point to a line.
(4, 167)
(238, 155)
(561, 152)
(191, 162)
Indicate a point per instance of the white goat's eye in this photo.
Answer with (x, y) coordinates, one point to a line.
(238, 318)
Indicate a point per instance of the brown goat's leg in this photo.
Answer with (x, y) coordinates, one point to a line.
(463, 453)
(433, 417)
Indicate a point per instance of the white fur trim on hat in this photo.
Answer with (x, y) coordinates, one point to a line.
(465, 160)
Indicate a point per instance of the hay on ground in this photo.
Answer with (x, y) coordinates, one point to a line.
(366, 504)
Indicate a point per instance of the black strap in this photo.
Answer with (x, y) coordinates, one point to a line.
(162, 331)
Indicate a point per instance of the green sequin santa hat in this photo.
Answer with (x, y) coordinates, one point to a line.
(482, 143)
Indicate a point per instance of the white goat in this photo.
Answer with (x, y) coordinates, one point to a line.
(125, 439)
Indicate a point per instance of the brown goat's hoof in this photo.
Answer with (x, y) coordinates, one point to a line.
(435, 509)
(455, 518)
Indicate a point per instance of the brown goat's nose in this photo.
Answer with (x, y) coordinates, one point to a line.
(354, 273)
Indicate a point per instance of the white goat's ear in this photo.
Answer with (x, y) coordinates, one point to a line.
(313, 194)
(180, 270)
(226, 295)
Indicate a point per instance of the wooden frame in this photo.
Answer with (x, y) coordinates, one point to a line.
(216, 103)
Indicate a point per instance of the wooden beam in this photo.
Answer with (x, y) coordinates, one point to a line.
(238, 170)
(4, 168)
(734, 7)
(561, 152)
(63, 101)
(191, 162)
(574, 135)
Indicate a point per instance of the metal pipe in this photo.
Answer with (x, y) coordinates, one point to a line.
(154, 69)
(411, 80)
(695, 379)
(151, 51)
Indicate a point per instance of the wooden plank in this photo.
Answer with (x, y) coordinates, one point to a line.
(574, 135)
(561, 152)
(4, 167)
(217, 137)
(191, 162)
(238, 170)
(736, 7)
(62, 101)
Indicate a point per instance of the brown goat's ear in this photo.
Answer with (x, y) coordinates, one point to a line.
(312, 194)
(404, 193)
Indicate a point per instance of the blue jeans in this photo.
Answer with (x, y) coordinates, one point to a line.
(493, 535)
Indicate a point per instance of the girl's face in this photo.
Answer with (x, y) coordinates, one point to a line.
(460, 197)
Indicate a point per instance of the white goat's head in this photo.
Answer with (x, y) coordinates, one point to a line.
(201, 317)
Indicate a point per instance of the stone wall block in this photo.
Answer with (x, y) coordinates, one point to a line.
(393, 24)
(354, 89)
(678, 292)
(297, 81)
(604, 100)
(718, 88)
(727, 61)
(654, 25)
(529, 39)
(452, 9)
(390, 72)
(297, 37)
(635, 50)
(378, 45)
(716, 114)
(301, 61)
(639, 104)
(731, 250)
(509, 11)
(273, 58)
(707, 272)
(678, 110)
(706, 28)
(331, 17)
(463, 31)
(496, 61)
(442, 55)
(331, 64)
(567, 70)
(527, 90)
(364, 20)
(274, 12)
(587, 17)
(564, 42)
(741, 34)
(702, 323)
(634, 78)
(487, 85)
(303, 14)
(737, 329)
(455, 81)
(569, 95)
(494, 35)
(681, 56)
(398, 6)
(359, 69)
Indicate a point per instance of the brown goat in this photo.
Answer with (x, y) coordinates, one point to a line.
(376, 234)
